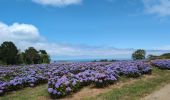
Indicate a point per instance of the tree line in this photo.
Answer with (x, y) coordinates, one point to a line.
(163, 56)
(10, 55)
(141, 54)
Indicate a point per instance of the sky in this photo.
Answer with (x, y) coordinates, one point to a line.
(87, 29)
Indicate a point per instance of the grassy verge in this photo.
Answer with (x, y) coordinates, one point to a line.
(37, 93)
(132, 91)
(138, 89)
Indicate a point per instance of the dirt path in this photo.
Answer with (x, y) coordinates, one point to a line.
(162, 94)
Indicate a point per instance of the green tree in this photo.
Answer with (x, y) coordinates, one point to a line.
(139, 54)
(21, 58)
(44, 57)
(32, 56)
(8, 53)
(43, 52)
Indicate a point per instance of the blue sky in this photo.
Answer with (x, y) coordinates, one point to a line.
(85, 29)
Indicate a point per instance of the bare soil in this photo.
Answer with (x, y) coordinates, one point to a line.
(162, 94)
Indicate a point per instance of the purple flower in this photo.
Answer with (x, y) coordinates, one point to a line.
(50, 90)
(54, 92)
(59, 93)
(57, 85)
(67, 83)
(68, 89)
(74, 83)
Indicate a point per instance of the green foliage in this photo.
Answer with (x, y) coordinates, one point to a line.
(103, 60)
(1, 62)
(163, 56)
(139, 54)
(32, 56)
(8, 53)
(152, 57)
(43, 52)
(44, 57)
(21, 58)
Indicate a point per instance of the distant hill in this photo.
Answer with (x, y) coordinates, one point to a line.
(163, 56)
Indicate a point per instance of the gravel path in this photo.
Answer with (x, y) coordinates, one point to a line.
(162, 94)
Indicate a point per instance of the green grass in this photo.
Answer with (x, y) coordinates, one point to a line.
(133, 91)
(138, 89)
(37, 93)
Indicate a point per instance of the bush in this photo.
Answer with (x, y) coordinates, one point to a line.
(139, 54)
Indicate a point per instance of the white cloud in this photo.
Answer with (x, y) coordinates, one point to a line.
(166, 47)
(158, 7)
(26, 35)
(57, 3)
(19, 32)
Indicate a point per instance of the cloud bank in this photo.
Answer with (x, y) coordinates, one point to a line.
(158, 7)
(58, 3)
(26, 35)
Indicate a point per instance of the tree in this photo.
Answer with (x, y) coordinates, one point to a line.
(8, 53)
(44, 57)
(32, 56)
(139, 54)
(43, 52)
(21, 58)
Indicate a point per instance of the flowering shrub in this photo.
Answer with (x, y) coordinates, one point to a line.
(66, 78)
(20, 77)
(162, 64)
(63, 86)
(3, 87)
(132, 71)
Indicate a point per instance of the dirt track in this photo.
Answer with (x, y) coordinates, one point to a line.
(162, 94)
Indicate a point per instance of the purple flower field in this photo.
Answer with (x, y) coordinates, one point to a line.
(162, 64)
(66, 78)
